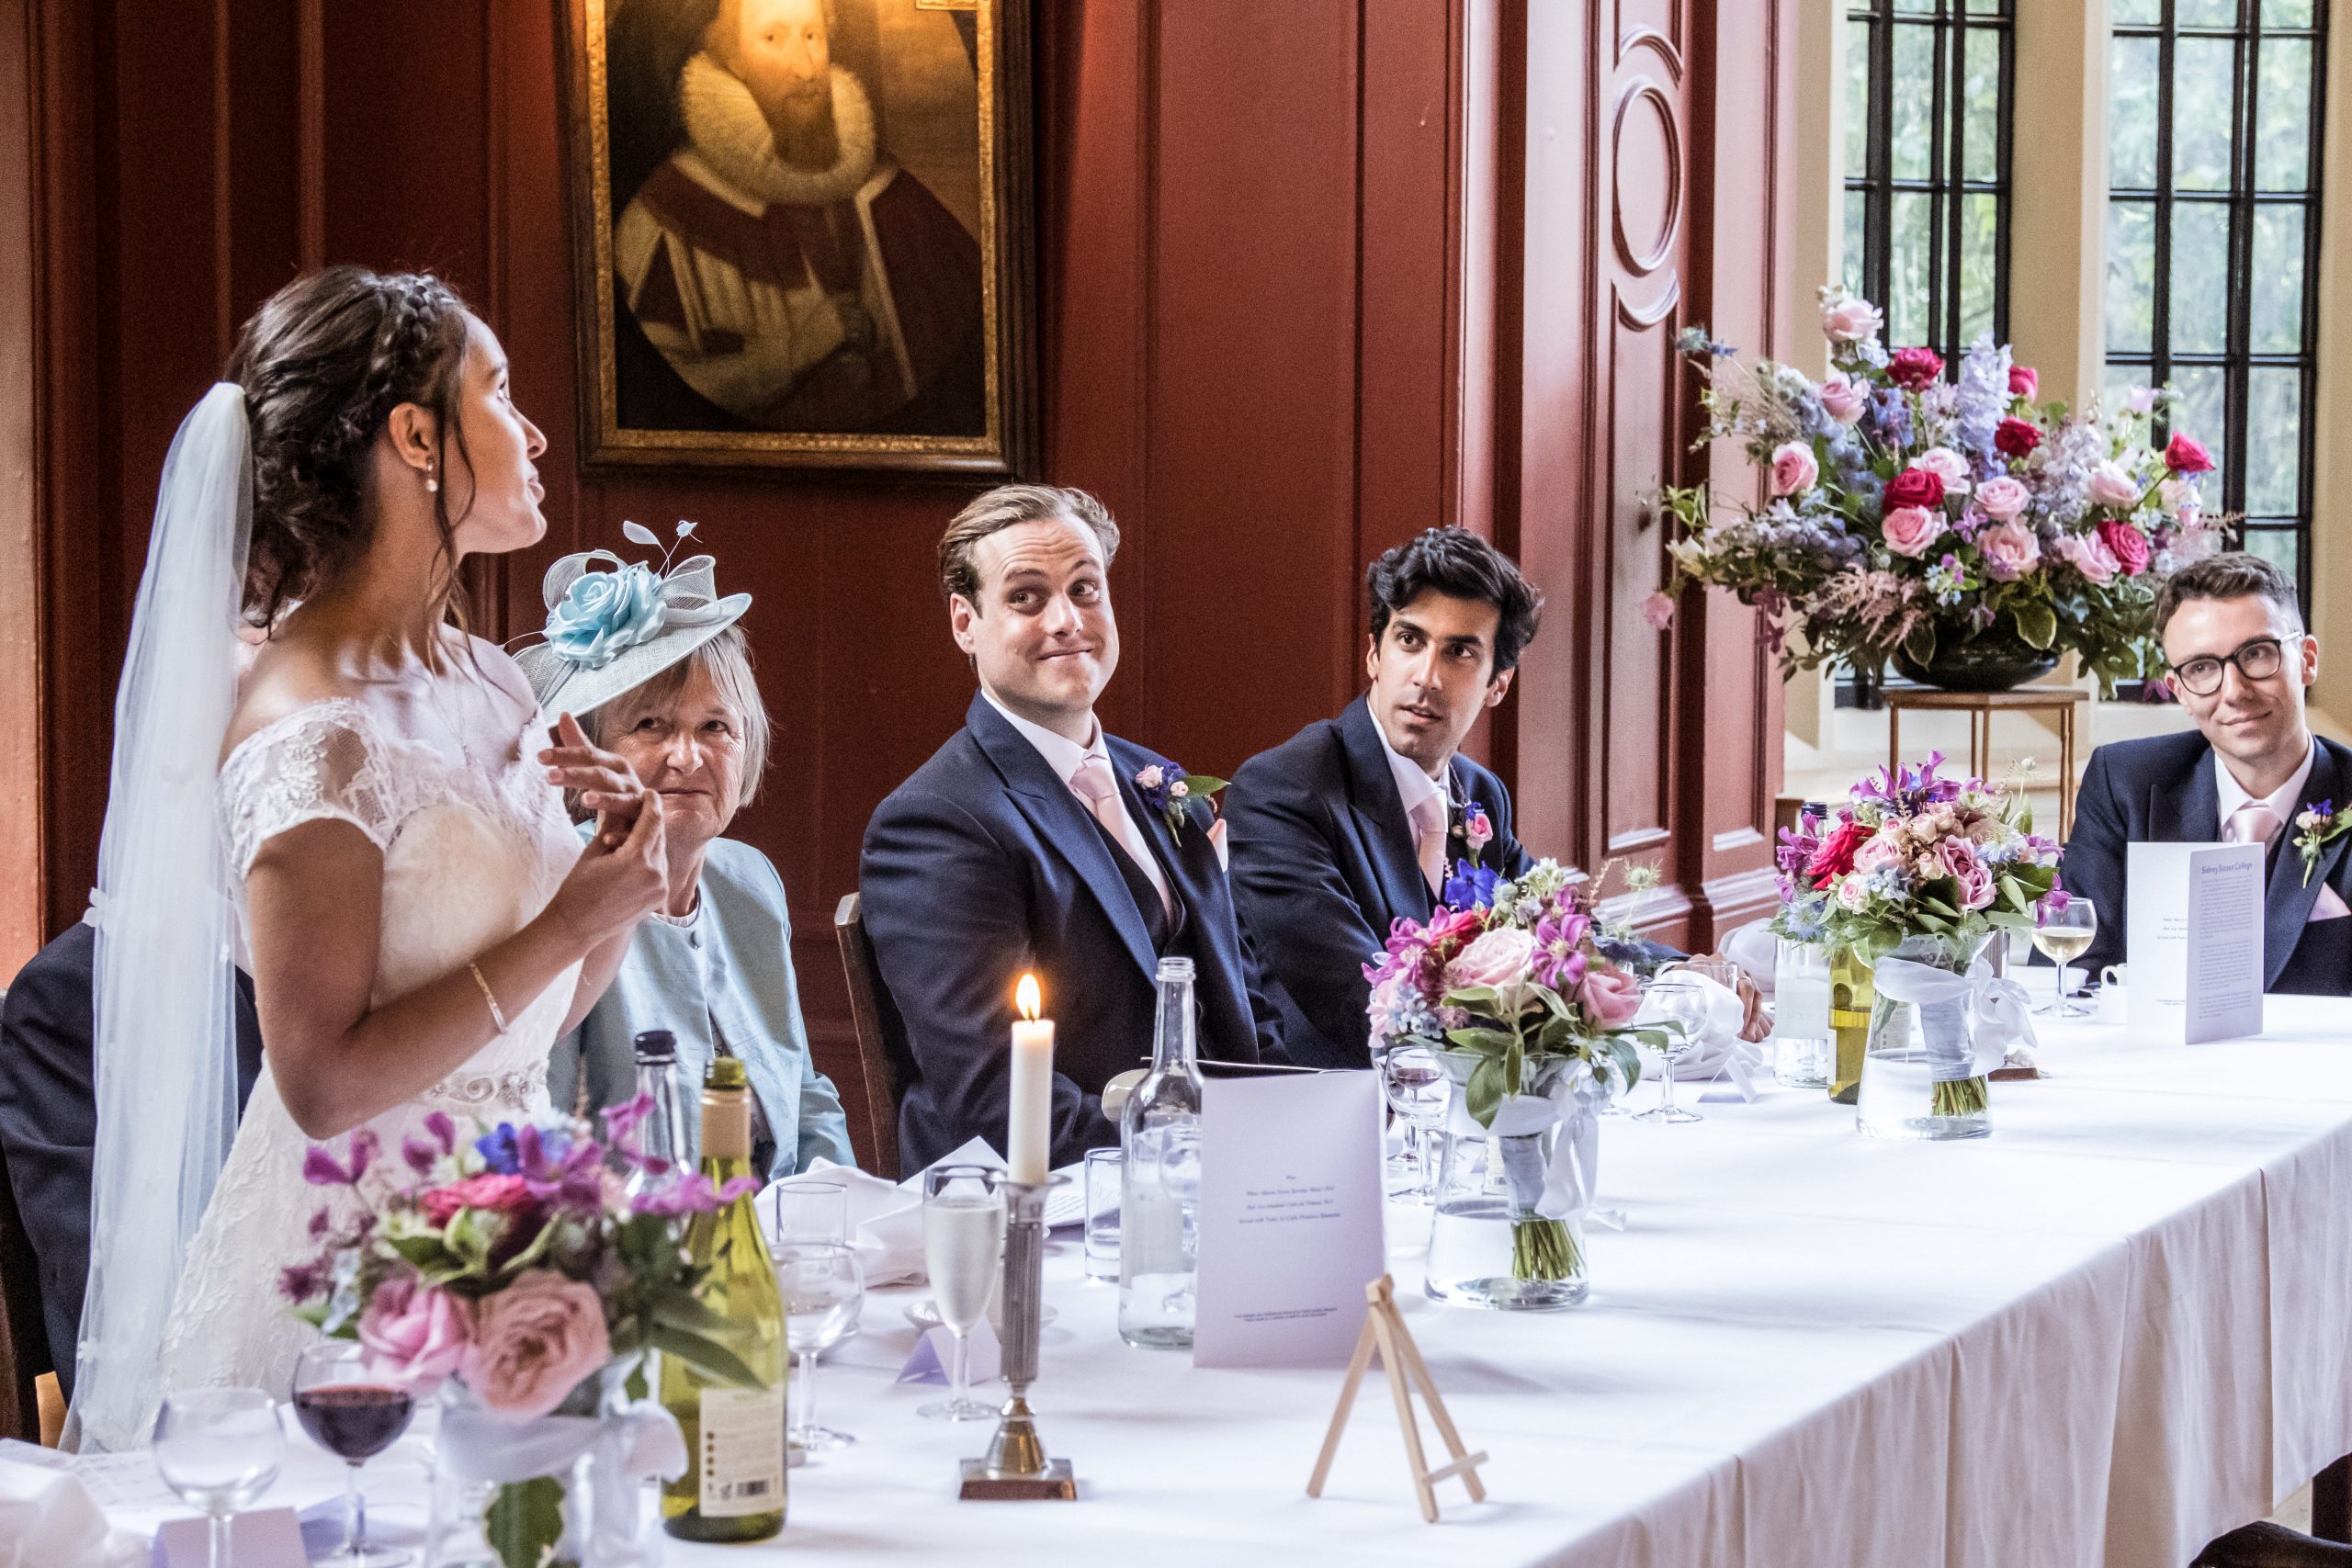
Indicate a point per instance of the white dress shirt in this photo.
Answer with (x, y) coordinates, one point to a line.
(2282, 801)
(1065, 756)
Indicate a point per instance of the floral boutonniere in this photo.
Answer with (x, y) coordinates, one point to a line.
(2319, 826)
(1475, 828)
(1170, 791)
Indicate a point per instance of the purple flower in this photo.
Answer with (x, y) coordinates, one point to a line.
(692, 1194)
(319, 1222)
(320, 1169)
(444, 1131)
(419, 1155)
(499, 1150)
(1470, 887)
(300, 1281)
(621, 1121)
(1559, 960)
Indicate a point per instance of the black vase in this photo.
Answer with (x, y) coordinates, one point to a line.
(1994, 660)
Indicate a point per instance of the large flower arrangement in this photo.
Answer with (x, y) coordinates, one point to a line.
(519, 1263)
(1908, 514)
(1508, 984)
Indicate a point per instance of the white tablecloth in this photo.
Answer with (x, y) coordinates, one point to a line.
(2114, 1329)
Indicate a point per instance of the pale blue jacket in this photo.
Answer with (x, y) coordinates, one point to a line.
(727, 975)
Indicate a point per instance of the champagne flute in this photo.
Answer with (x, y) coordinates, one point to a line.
(218, 1448)
(1414, 1086)
(823, 1288)
(354, 1415)
(963, 1249)
(2063, 935)
(1676, 1004)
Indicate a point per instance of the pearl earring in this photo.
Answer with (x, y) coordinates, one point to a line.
(431, 485)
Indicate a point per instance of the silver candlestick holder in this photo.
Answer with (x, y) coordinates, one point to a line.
(1015, 1468)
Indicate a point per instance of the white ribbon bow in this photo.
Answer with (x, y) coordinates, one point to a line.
(626, 1446)
(1563, 1115)
(1995, 1011)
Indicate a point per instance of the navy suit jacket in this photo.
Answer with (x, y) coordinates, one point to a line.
(49, 1118)
(1323, 864)
(983, 865)
(2161, 790)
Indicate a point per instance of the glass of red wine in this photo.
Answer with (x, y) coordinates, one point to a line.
(354, 1415)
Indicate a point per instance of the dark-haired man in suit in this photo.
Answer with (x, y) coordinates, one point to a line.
(2241, 663)
(1027, 843)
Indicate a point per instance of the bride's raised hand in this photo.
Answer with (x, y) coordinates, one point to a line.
(603, 780)
(610, 887)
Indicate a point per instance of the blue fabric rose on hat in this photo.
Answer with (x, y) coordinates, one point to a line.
(605, 613)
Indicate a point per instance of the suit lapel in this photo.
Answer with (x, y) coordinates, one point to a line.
(1379, 813)
(1064, 825)
(2186, 810)
(2289, 899)
(1204, 900)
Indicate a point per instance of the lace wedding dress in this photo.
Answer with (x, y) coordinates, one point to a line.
(472, 851)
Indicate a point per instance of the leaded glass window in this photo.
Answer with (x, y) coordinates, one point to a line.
(2214, 114)
(1928, 166)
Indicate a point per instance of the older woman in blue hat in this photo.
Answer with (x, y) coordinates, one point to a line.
(654, 667)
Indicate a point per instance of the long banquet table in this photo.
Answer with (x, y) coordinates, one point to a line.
(2109, 1332)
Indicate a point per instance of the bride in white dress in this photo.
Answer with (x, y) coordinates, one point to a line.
(390, 856)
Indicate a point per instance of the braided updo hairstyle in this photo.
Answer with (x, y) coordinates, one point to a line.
(323, 363)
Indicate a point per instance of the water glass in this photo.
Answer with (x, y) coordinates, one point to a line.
(1801, 1039)
(218, 1448)
(1104, 1172)
(963, 1248)
(1678, 1005)
(1415, 1084)
(808, 1211)
(823, 1287)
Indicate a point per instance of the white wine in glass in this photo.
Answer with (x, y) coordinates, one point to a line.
(2061, 936)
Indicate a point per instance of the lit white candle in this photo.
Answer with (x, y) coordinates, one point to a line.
(1028, 1140)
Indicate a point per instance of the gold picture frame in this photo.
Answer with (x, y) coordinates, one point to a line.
(863, 304)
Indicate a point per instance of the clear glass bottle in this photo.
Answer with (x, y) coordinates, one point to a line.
(1159, 1185)
(658, 1137)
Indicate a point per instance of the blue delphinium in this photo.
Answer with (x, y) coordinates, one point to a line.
(1983, 400)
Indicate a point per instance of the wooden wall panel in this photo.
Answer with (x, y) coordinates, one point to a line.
(1305, 289)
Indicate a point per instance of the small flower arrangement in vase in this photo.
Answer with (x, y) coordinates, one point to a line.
(1963, 529)
(515, 1275)
(1913, 874)
(1507, 985)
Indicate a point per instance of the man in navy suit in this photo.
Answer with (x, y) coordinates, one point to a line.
(1357, 821)
(2240, 663)
(1026, 843)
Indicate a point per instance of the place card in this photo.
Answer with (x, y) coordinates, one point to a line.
(934, 1353)
(1290, 1218)
(269, 1538)
(2195, 941)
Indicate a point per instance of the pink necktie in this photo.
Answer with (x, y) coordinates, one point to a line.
(1094, 783)
(1429, 840)
(2253, 823)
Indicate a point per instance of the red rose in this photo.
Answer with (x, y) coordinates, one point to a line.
(2129, 546)
(2184, 456)
(1914, 368)
(1923, 488)
(1835, 858)
(2017, 438)
(2024, 382)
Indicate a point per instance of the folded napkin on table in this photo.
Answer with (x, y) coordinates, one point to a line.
(1757, 952)
(47, 1519)
(884, 1220)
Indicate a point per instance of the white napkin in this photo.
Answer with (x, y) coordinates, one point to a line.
(884, 1220)
(1757, 953)
(1718, 1051)
(47, 1519)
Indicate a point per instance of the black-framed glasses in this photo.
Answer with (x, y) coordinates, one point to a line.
(2258, 659)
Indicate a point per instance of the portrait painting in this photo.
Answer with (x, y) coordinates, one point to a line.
(803, 232)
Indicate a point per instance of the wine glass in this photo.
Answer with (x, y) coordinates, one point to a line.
(1678, 1005)
(353, 1416)
(823, 1287)
(218, 1448)
(963, 1249)
(2062, 935)
(1415, 1084)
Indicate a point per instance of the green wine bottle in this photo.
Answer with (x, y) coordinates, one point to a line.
(733, 1487)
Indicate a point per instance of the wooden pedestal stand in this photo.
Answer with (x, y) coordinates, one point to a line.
(1384, 1329)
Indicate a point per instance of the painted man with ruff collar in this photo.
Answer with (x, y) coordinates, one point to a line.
(786, 268)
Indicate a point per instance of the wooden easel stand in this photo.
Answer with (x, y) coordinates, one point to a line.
(1385, 1330)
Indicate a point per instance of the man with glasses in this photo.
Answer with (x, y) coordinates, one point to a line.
(2240, 663)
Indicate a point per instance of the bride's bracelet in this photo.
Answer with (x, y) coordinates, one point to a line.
(497, 1014)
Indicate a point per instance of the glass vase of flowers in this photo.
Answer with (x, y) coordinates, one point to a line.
(1912, 876)
(1508, 986)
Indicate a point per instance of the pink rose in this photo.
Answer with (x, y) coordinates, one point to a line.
(1958, 857)
(1609, 996)
(2008, 550)
(1151, 778)
(1658, 611)
(1911, 529)
(1853, 892)
(1794, 468)
(2024, 382)
(533, 1343)
(499, 1194)
(1946, 464)
(1878, 854)
(1845, 319)
(2185, 455)
(1498, 958)
(1843, 398)
(2127, 545)
(414, 1334)
(2002, 498)
(2110, 486)
(2091, 556)
(2173, 495)
(1914, 369)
